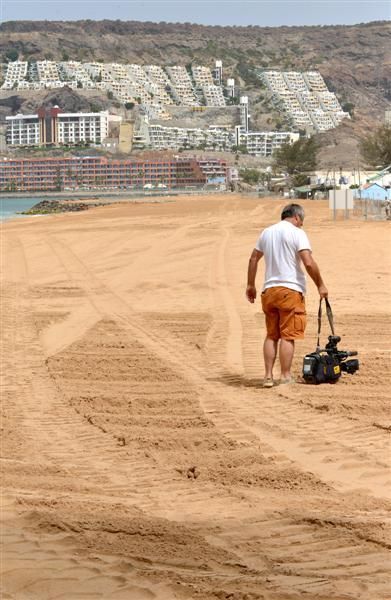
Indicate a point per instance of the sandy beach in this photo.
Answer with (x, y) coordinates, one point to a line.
(141, 458)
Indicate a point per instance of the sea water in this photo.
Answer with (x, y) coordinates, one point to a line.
(10, 207)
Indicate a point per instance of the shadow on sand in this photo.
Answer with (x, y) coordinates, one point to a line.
(239, 381)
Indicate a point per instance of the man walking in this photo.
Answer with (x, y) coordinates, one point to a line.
(285, 246)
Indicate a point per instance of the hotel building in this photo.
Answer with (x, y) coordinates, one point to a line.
(95, 172)
(53, 127)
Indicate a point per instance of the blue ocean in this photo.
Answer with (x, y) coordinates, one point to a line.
(10, 207)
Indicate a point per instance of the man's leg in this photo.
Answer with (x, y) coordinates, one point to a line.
(269, 356)
(287, 349)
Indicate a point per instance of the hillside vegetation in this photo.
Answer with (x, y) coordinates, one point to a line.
(354, 60)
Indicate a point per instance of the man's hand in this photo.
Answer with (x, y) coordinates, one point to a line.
(251, 293)
(323, 292)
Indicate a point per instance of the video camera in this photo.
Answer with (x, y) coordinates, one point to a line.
(348, 366)
(326, 365)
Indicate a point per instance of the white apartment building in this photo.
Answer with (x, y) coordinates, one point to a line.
(157, 74)
(16, 71)
(322, 121)
(155, 111)
(263, 143)
(168, 138)
(310, 101)
(137, 73)
(22, 130)
(305, 99)
(47, 70)
(155, 84)
(181, 86)
(75, 71)
(93, 69)
(171, 138)
(301, 118)
(257, 143)
(274, 80)
(117, 70)
(53, 83)
(151, 84)
(202, 75)
(55, 127)
(73, 128)
(295, 81)
(213, 95)
(158, 93)
(43, 85)
(315, 81)
(328, 101)
(32, 71)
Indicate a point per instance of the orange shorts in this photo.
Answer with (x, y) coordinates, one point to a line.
(284, 312)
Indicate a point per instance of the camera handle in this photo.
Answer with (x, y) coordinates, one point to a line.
(329, 313)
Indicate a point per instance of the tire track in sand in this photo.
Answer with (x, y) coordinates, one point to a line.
(305, 577)
(100, 469)
(224, 339)
(230, 418)
(312, 449)
(40, 439)
(111, 305)
(339, 451)
(84, 465)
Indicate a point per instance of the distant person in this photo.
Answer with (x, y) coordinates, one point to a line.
(285, 246)
(387, 208)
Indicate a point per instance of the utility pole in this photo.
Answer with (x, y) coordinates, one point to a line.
(359, 184)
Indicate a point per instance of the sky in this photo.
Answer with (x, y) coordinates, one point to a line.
(206, 12)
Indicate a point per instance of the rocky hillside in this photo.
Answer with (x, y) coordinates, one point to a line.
(354, 60)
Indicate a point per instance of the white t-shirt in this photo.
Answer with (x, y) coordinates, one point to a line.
(281, 244)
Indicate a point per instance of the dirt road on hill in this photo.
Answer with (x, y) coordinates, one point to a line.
(141, 459)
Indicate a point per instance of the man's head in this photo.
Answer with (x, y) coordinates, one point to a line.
(294, 213)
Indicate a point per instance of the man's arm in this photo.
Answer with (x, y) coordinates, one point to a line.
(251, 291)
(313, 271)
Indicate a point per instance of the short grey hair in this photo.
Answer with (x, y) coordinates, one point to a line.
(292, 210)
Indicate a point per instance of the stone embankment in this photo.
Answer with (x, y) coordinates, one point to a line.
(47, 207)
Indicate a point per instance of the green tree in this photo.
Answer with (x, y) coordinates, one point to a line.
(250, 176)
(375, 148)
(129, 105)
(298, 157)
(247, 73)
(299, 179)
(349, 108)
(58, 181)
(12, 55)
